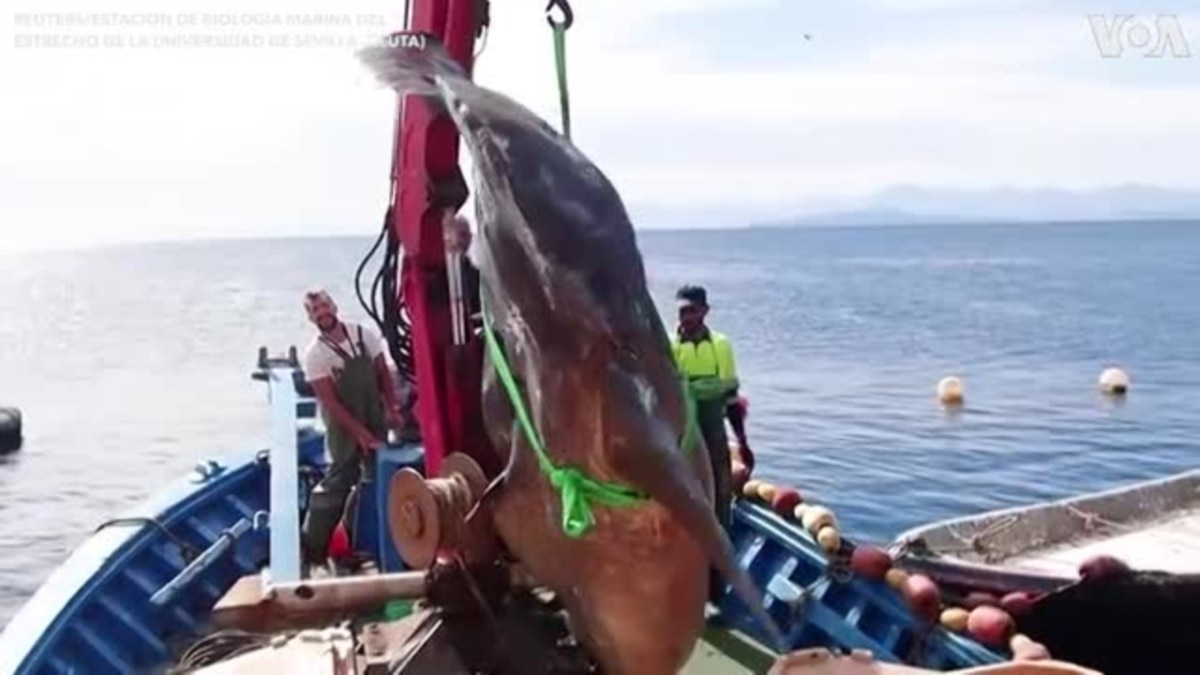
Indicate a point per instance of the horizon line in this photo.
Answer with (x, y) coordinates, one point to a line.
(798, 223)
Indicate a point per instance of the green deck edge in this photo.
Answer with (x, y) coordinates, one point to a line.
(722, 651)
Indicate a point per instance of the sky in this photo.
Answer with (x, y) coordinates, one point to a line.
(702, 112)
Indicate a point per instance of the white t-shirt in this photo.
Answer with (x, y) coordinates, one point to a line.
(321, 360)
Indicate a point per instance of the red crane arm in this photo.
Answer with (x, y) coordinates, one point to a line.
(427, 181)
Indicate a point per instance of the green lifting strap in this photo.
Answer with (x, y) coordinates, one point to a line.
(560, 60)
(577, 490)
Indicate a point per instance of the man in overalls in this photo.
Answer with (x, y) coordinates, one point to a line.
(346, 367)
(705, 357)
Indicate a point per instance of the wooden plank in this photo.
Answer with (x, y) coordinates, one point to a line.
(1172, 546)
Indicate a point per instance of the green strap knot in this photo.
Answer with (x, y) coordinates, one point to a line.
(578, 491)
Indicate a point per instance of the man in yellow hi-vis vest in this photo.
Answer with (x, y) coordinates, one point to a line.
(706, 358)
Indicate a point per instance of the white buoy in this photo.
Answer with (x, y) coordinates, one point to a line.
(1114, 381)
(950, 391)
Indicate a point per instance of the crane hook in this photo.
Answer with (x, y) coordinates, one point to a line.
(568, 14)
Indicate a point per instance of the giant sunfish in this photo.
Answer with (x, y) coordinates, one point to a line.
(564, 291)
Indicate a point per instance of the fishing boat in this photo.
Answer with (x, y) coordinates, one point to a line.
(206, 575)
(1111, 579)
(175, 582)
(1153, 525)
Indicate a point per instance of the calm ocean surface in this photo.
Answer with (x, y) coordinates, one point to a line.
(131, 364)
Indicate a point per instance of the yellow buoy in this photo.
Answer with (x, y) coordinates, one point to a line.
(766, 492)
(750, 489)
(798, 512)
(896, 578)
(817, 517)
(950, 390)
(1114, 381)
(955, 619)
(829, 539)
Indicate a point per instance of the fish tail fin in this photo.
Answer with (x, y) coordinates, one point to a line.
(411, 63)
(417, 64)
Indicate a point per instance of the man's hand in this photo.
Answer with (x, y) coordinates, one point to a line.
(395, 420)
(735, 412)
(746, 455)
(328, 398)
(368, 442)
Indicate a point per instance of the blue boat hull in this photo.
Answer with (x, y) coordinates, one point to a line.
(816, 606)
(94, 614)
(142, 588)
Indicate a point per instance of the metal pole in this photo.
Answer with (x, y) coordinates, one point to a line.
(285, 478)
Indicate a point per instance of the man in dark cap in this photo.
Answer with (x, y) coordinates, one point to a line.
(706, 358)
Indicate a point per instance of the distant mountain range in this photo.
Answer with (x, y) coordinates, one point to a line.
(914, 205)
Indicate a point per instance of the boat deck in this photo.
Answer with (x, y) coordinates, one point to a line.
(1171, 545)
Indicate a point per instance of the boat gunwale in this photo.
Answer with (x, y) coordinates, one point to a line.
(764, 523)
(1150, 501)
(41, 621)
